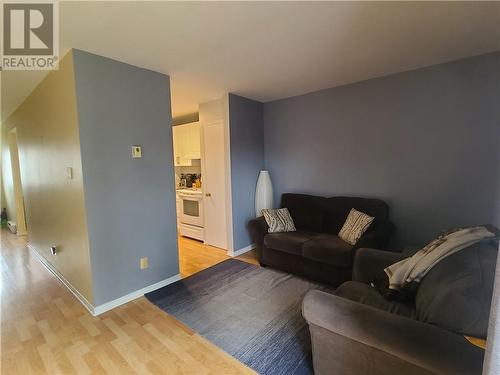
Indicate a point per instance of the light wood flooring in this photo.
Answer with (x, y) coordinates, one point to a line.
(45, 330)
(194, 256)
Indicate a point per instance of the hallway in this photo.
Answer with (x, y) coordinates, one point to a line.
(45, 330)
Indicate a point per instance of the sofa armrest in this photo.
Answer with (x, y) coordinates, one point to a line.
(370, 262)
(378, 238)
(381, 335)
(258, 229)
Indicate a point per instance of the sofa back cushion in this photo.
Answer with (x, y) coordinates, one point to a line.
(456, 293)
(306, 210)
(337, 209)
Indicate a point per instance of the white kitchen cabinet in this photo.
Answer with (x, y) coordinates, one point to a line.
(187, 143)
(180, 137)
(193, 142)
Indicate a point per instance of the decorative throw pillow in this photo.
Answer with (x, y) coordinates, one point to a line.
(278, 220)
(355, 225)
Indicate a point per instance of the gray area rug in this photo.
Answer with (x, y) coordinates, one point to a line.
(252, 313)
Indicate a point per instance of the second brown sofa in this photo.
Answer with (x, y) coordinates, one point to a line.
(315, 250)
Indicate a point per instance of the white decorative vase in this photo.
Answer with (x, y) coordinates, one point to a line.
(263, 193)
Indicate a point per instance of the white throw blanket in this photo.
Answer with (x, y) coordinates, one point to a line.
(413, 269)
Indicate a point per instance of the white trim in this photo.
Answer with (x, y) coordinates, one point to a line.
(241, 251)
(227, 170)
(62, 279)
(97, 310)
(136, 294)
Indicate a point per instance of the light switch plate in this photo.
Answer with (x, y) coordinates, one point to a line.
(144, 263)
(69, 173)
(136, 152)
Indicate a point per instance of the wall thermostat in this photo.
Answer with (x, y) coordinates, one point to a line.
(136, 152)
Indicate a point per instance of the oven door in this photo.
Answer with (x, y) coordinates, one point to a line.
(191, 210)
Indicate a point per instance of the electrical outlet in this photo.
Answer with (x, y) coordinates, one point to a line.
(144, 263)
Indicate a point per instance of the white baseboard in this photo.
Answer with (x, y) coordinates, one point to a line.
(136, 294)
(62, 279)
(235, 253)
(97, 310)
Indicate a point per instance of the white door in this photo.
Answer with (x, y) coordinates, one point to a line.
(214, 184)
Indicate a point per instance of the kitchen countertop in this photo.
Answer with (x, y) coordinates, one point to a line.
(187, 188)
(191, 191)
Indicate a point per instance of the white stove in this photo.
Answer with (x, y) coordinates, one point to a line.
(191, 219)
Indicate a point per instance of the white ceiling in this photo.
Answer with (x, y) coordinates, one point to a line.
(268, 50)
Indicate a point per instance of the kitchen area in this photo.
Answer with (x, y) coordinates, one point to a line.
(199, 163)
(188, 179)
(202, 182)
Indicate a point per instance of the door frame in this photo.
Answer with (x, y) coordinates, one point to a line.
(21, 225)
(229, 184)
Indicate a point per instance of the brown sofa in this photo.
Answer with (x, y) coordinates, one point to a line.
(356, 331)
(314, 250)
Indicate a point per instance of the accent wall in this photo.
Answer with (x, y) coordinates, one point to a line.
(426, 141)
(130, 202)
(247, 159)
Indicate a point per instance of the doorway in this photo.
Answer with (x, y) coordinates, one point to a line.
(20, 218)
(199, 156)
(190, 161)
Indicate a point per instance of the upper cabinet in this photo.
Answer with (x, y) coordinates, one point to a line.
(193, 149)
(187, 143)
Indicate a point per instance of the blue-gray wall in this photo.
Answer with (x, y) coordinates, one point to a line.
(496, 215)
(130, 203)
(426, 141)
(247, 159)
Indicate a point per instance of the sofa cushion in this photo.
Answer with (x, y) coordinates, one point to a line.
(329, 249)
(367, 295)
(337, 209)
(289, 242)
(306, 211)
(456, 293)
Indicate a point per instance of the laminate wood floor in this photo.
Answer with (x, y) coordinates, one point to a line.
(45, 330)
(194, 256)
